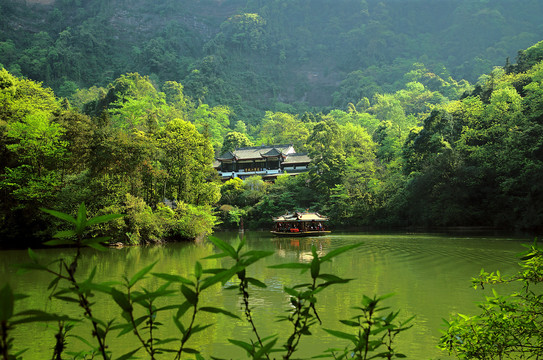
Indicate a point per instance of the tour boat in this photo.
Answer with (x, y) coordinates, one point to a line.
(300, 224)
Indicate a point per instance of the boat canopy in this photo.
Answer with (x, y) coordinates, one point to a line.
(300, 217)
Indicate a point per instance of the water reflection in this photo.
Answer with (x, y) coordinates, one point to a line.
(301, 247)
(428, 273)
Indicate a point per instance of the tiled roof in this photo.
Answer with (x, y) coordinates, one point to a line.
(305, 216)
(226, 156)
(272, 152)
(257, 152)
(297, 159)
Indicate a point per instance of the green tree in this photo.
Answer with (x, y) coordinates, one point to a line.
(78, 134)
(352, 201)
(245, 31)
(213, 122)
(508, 326)
(231, 191)
(187, 159)
(234, 140)
(281, 128)
(33, 151)
(438, 134)
(174, 94)
(327, 156)
(39, 150)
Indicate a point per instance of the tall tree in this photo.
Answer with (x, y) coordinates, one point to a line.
(33, 151)
(327, 156)
(188, 156)
(234, 140)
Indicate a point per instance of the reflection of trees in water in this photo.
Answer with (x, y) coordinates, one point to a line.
(286, 247)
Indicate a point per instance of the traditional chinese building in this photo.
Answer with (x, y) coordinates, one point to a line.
(267, 161)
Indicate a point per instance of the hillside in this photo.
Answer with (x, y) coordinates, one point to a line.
(288, 55)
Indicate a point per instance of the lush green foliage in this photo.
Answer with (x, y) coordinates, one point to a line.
(144, 311)
(402, 160)
(131, 155)
(508, 326)
(284, 56)
(425, 150)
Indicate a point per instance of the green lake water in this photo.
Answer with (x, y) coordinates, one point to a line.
(428, 273)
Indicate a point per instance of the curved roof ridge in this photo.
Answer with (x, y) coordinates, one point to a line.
(272, 152)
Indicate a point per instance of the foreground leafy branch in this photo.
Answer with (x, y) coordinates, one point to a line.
(375, 331)
(509, 326)
(141, 316)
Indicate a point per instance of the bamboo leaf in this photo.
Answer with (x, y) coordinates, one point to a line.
(96, 243)
(257, 255)
(338, 251)
(7, 302)
(102, 287)
(291, 292)
(64, 234)
(125, 329)
(53, 283)
(215, 256)
(291, 266)
(60, 215)
(242, 344)
(227, 248)
(222, 276)
(386, 296)
(165, 341)
(256, 282)
(198, 328)
(128, 355)
(173, 278)
(30, 266)
(32, 255)
(179, 325)
(67, 299)
(342, 335)
(182, 309)
(198, 270)
(241, 245)
(266, 349)
(140, 274)
(39, 316)
(190, 295)
(81, 220)
(314, 251)
(315, 267)
(215, 310)
(190, 351)
(350, 323)
(83, 340)
(121, 299)
(332, 278)
(59, 242)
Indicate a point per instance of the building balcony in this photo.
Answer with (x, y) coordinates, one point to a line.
(243, 173)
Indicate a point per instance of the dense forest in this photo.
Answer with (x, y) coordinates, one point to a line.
(412, 112)
(254, 55)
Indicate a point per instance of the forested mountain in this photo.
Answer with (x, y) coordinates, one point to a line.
(256, 55)
(144, 95)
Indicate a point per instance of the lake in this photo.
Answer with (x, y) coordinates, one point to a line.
(428, 273)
